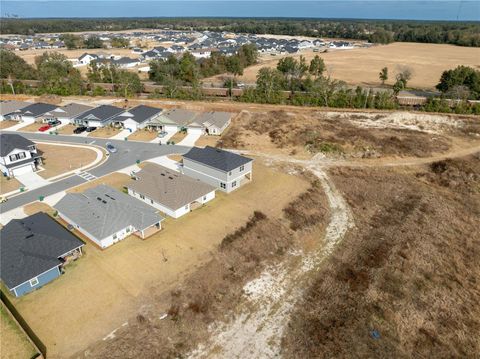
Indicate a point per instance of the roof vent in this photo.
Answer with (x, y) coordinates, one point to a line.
(104, 201)
(99, 199)
(29, 236)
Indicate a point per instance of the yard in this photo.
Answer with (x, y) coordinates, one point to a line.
(14, 344)
(176, 138)
(66, 130)
(116, 180)
(99, 292)
(204, 141)
(143, 135)
(105, 132)
(7, 123)
(8, 185)
(33, 127)
(54, 159)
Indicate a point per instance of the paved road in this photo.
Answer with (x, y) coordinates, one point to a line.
(128, 153)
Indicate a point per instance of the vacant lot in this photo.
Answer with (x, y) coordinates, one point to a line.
(7, 123)
(143, 135)
(14, 344)
(66, 130)
(115, 180)
(403, 283)
(361, 66)
(104, 132)
(61, 159)
(104, 289)
(33, 127)
(8, 185)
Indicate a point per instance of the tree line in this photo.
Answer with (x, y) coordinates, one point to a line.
(377, 31)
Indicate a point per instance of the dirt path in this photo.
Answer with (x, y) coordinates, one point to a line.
(269, 299)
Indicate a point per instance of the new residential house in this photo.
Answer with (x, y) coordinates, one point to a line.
(107, 216)
(214, 123)
(10, 106)
(137, 117)
(171, 192)
(34, 251)
(34, 112)
(223, 169)
(17, 155)
(99, 116)
(67, 113)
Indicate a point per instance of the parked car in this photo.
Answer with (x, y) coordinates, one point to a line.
(45, 128)
(79, 129)
(162, 134)
(111, 148)
(54, 122)
(90, 129)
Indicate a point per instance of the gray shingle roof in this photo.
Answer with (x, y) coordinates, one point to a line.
(36, 109)
(72, 109)
(8, 142)
(139, 114)
(214, 118)
(103, 211)
(101, 113)
(10, 106)
(217, 158)
(170, 188)
(31, 246)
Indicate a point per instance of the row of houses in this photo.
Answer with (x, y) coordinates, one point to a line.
(139, 117)
(35, 250)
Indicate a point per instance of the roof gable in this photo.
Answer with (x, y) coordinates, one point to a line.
(9, 142)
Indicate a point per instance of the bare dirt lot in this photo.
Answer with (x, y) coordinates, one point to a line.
(403, 282)
(348, 135)
(33, 127)
(143, 135)
(7, 123)
(8, 185)
(54, 156)
(105, 132)
(72, 312)
(361, 66)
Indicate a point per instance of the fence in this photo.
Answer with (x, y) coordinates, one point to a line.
(31, 334)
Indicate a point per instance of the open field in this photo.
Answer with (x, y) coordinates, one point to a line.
(361, 66)
(7, 123)
(143, 135)
(105, 132)
(407, 271)
(8, 185)
(14, 343)
(54, 159)
(71, 312)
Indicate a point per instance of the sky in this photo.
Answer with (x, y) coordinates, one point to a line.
(360, 9)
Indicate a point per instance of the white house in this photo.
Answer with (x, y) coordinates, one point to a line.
(7, 107)
(34, 112)
(67, 113)
(86, 59)
(171, 192)
(222, 169)
(137, 118)
(18, 155)
(107, 216)
(98, 117)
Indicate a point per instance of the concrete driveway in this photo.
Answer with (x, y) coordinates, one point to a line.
(190, 139)
(165, 139)
(122, 134)
(166, 162)
(32, 180)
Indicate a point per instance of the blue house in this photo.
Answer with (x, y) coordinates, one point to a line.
(33, 252)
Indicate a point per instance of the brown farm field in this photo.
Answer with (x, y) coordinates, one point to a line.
(361, 66)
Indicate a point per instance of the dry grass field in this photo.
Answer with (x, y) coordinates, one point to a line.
(176, 138)
(8, 185)
(14, 344)
(115, 180)
(66, 130)
(104, 289)
(361, 66)
(104, 132)
(7, 123)
(54, 159)
(143, 135)
(33, 127)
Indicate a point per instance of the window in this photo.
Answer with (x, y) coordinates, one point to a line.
(151, 201)
(230, 173)
(17, 156)
(142, 196)
(223, 185)
(204, 198)
(13, 157)
(128, 229)
(115, 236)
(34, 281)
(242, 168)
(234, 184)
(21, 155)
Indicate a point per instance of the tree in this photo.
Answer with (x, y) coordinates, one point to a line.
(383, 75)
(14, 67)
(57, 75)
(72, 41)
(93, 42)
(234, 66)
(188, 69)
(120, 42)
(248, 54)
(404, 76)
(317, 66)
(398, 86)
(269, 85)
(293, 71)
(128, 83)
(461, 76)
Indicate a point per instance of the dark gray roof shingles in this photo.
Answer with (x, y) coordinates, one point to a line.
(9, 142)
(217, 158)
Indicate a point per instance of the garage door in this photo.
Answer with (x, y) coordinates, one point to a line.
(170, 128)
(22, 170)
(195, 130)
